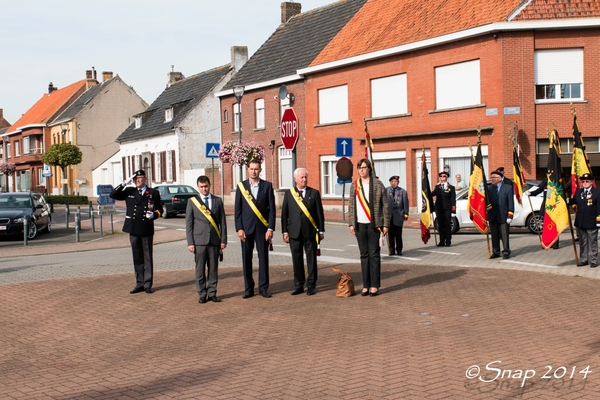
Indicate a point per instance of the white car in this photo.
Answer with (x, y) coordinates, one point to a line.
(523, 217)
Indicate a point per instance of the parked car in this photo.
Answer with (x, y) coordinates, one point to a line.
(15, 207)
(523, 216)
(175, 198)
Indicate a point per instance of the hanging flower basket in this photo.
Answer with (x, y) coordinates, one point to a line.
(7, 168)
(241, 153)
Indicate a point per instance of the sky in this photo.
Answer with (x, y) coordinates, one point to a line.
(43, 41)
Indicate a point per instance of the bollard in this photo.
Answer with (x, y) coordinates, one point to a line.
(51, 204)
(90, 210)
(77, 224)
(101, 233)
(25, 230)
(92, 217)
(67, 213)
(112, 228)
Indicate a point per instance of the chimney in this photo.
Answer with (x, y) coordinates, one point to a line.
(88, 74)
(51, 88)
(174, 77)
(239, 56)
(106, 75)
(289, 9)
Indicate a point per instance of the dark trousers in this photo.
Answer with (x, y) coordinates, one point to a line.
(262, 247)
(370, 259)
(444, 227)
(298, 246)
(588, 245)
(143, 265)
(395, 239)
(500, 232)
(207, 257)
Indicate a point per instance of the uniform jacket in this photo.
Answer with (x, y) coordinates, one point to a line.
(502, 202)
(293, 219)
(199, 231)
(244, 216)
(445, 199)
(397, 204)
(137, 205)
(380, 212)
(588, 209)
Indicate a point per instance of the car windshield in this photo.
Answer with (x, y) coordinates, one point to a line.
(14, 201)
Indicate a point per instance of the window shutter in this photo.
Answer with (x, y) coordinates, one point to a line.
(124, 167)
(153, 172)
(163, 165)
(173, 164)
(553, 67)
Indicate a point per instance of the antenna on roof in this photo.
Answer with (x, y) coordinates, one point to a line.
(172, 68)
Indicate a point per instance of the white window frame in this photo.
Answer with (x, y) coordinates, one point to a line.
(8, 151)
(259, 105)
(169, 169)
(138, 122)
(169, 114)
(556, 70)
(389, 96)
(333, 104)
(458, 85)
(285, 156)
(236, 111)
(157, 163)
(17, 148)
(26, 145)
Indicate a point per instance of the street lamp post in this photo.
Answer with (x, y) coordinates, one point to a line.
(238, 91)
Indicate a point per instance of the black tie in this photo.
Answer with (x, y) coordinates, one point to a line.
(140, 190)
(206, 201)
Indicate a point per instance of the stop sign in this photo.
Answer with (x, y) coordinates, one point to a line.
(289, 129)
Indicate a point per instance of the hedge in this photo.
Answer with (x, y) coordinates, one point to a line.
(62, 199)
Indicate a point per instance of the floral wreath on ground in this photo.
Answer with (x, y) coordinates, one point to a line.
(7, 168)
(241, 153)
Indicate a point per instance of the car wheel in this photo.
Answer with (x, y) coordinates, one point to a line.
(454, 225)
(534, 222)
(32, 230)
(165, 212)
(48, 227)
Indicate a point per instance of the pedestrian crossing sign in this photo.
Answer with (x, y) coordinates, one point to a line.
(212, 150)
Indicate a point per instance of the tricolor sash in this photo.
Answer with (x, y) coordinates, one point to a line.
(252, 203)
(362, 200)
(207, 213)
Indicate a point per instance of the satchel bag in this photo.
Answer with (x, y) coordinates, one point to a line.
(345, 285)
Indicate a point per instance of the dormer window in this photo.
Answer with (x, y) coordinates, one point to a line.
(169, 114)
(138, 122)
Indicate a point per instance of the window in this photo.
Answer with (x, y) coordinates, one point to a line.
(17, 148)
(458, 160)
(169, 165)
(26, 147)
(558, 74)
(226, 116)
(8, 152)
(259, 105)
(389, 96)
(457, 85)
(286, 174)
(390, 163)
(158, 171)
(236, 113)
(138, 122)
(333, 104)
(329, 185)
(169, 114)
(40, 177)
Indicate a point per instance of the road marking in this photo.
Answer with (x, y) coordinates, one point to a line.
(337, 260)
(408, 258)
(328, 249)
(526, 263)
(440, 252)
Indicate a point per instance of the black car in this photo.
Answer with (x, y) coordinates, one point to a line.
(18, 206)
(175, 198)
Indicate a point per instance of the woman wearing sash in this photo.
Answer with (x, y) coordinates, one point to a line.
(369, 217)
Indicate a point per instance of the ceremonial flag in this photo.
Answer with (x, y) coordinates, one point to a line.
(369, 148)
(518, 177)
(478, 199)
(556, 217)
(581, 164)
(425, 201)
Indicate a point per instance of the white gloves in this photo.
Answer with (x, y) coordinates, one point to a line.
(150, 215)
(527, 193)
(129, 180)
(508, 220)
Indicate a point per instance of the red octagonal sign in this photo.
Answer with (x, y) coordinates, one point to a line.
(289, 129)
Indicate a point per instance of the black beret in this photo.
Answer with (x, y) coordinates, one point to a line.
(140, 172)
(444, 173)
(396, 177)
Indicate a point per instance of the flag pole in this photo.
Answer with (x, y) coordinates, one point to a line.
(573, 239)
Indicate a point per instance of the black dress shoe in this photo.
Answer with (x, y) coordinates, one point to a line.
(214, 299)
(364, 293)
(265, 294)
(495, 255)
(593, 265)
(149, 290)
(582, 263)
(136, 290)
(440, 245)
(297, 291)
(202, 300)
(506, 256)
(373, 294)
(447, 244)
(247, 295)
(310, 291)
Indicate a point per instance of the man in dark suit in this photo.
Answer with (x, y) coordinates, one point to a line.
(398, 205)
(143, 207)
(299, 231)
(501, 213)
(445, 206)
(255, 223)
(206, 232)
(586, 202)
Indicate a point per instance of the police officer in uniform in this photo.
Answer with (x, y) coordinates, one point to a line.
(143, 207)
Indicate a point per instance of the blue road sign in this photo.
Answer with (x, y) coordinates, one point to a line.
(341, 181)
(212, 150)
(105, 199)
(343, 147)
(103, 189)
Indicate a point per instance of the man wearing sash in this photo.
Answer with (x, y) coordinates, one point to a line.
(255, 222)
(206, 232)
(303, 228)
(369, 217)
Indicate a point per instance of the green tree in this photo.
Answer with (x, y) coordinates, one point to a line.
(62, 155)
